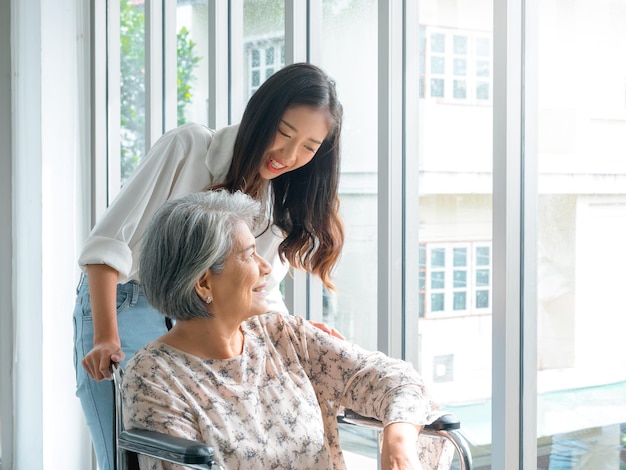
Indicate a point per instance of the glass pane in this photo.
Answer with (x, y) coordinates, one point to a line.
(460, 257)
(455, 206)
(349, 53)
(437, 42)
(483, 256)
(192, 46)
(437, 303)
(438, 258)
(482, 277)
(460, 278)
(482, 91)
(132, 86)
(460, 45)
(482, 68)
(460, 66)
(347, 28)
(482, 299)
(437, 65)
(483, 48)
(581, 375)
(460, 301)
(437, 280)
(436, 87)
(264, 41)
(460, 89)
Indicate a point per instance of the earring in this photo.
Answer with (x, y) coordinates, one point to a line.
(208, 300)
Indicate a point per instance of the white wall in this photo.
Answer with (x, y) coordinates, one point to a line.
(47, 131)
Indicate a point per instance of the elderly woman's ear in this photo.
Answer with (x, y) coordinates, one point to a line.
(203, 287)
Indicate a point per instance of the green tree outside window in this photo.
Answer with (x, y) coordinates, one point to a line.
(133, 83)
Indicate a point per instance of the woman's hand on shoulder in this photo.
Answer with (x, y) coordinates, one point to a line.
(327, 329)
(399, 450)
(98, 361)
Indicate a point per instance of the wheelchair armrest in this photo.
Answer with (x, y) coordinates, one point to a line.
(447, 422)
(446, 426)
(163, 446)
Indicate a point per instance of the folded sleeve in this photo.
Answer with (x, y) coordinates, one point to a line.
(174, 166)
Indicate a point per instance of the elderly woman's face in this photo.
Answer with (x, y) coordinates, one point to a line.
(240, 288)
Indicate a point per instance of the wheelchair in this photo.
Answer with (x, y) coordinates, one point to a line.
(133, 442)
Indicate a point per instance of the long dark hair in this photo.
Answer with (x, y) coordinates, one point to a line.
(305, 202)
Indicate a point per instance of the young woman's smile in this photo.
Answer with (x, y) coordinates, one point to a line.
(300, 134)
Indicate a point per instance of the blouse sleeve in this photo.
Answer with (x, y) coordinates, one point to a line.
(368, 382)
(174, 166)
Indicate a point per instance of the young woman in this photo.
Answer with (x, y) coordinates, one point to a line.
(284, 154)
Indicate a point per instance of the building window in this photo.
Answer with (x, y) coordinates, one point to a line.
(455, 279)
(455, 65)
(264, 58)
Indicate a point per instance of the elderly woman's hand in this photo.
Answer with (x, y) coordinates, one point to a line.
(399, 450)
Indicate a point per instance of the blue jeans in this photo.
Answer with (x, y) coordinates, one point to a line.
(138, 324)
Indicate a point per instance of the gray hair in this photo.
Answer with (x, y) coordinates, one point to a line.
(186, 237)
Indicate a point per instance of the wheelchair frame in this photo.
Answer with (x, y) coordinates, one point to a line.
(196, 455)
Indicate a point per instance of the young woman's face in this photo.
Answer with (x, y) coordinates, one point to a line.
(239, 290)
(301, 132)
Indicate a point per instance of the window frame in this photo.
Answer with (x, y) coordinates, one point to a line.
(399, 74)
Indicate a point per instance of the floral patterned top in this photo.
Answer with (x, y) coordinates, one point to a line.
(275, 405)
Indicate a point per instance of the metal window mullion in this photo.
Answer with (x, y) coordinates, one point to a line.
(238, 90)
(170, 67)
(154, 70)
(99, 139)
(529, 233)
(507, 235)
(219, 70)
(313, 53)
(113, 74)
(296, 293)
(410, 184)
(8, 241)
(390, 156)
(296, 31)
(315, 39)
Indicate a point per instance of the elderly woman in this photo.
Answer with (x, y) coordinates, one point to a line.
(262, 389)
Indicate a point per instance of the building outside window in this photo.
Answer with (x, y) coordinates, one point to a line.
(455, 279)
(264, 57)
(455, 65)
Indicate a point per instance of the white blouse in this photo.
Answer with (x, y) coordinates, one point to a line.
(184, 160)
(275, 405)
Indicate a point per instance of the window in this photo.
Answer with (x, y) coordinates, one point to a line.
(578, 219)
(455, 279)
(581, 363)
(455, 65)
(264, 58)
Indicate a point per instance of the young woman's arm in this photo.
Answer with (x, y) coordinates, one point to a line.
(175, 165)
(106, 339)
